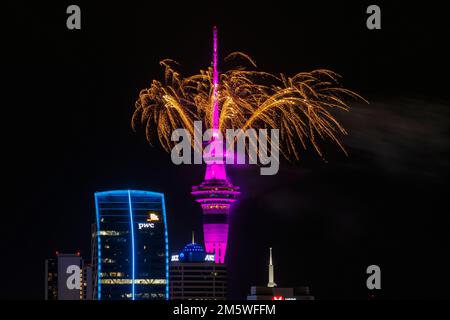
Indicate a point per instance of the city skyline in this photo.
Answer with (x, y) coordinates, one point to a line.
(70, 99)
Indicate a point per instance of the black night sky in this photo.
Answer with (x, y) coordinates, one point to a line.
(68, 99)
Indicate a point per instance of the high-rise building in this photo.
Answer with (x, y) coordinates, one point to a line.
(272, 292)
(87, 285)
(51, 279)
(67, 277)
(130, 246)
(216, 193)
(195, 276)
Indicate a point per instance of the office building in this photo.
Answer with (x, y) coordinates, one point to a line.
(195, 276)
(130, 246)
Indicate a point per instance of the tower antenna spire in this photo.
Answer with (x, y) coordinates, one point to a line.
(193, 239)
(271, 283)
(215, 118)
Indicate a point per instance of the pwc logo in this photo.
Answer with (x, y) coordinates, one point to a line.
(146, 225)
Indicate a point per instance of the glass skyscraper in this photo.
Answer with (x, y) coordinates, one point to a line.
(130, 246)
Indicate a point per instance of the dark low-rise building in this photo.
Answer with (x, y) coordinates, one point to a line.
(195, 276)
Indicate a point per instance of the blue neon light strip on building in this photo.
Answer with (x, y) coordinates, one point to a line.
(99, 265)
(166, 238)
(132, 245)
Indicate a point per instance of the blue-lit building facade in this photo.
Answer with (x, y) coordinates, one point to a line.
(130, 250)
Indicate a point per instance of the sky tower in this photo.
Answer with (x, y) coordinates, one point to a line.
(216, 193)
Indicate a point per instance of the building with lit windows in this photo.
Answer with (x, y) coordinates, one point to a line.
(51, 279)
(67, 277)
(130, 246)
(87, 282)
(195, 276)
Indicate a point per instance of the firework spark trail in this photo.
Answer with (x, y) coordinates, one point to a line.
(300, 106)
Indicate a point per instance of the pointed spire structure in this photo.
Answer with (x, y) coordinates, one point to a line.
(193, 238)
(216, 193)
(215, 117)
(271, 283)
(215, 168)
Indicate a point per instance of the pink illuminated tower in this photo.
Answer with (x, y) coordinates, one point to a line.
(216, 193)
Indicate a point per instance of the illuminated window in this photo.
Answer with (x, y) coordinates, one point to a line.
(108, 260)
(136, 281)
(116, 274)
(109, 233)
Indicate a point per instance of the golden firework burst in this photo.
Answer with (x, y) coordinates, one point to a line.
(301, 106)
